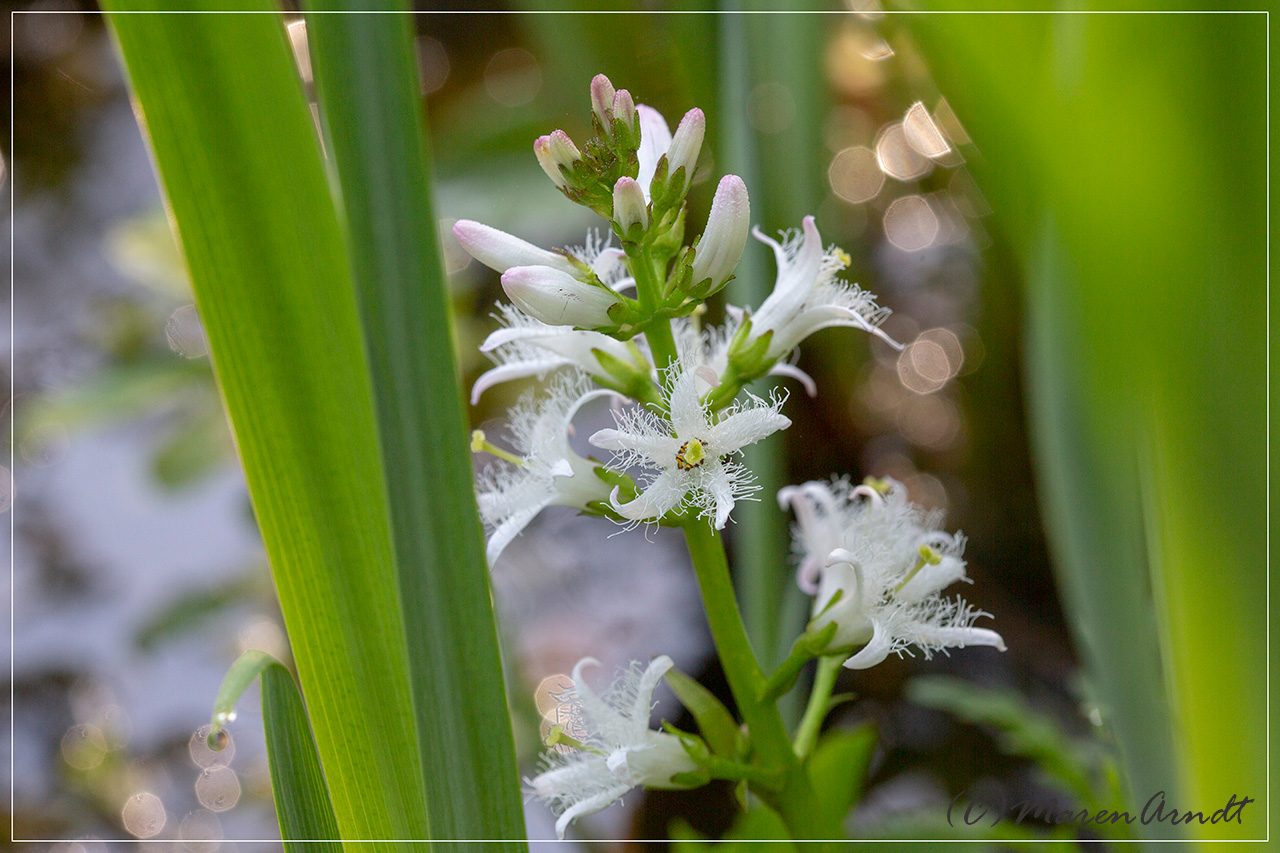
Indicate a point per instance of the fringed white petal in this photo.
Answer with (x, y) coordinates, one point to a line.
(876, 649)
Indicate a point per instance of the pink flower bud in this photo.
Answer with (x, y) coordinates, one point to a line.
(602, 98)
(629, 205)
(555, 151)
(686, 145)
(720, 247)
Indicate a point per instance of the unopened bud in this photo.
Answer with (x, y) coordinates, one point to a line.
(602, 99)
(686, 145)
(624, 108)
(501, 251)
(629, 208)
(557, 298)
(720, 247)
(555, 151)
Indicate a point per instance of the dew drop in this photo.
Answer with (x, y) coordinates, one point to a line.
(208, 750)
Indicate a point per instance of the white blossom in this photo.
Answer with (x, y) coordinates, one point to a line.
(876, 565)
(619, 750)
(689, 449)
(527, 347)
(510, 493)
(807, 296)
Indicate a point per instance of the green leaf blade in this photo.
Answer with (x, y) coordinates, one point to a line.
(234, 143)
(303, 807)
(366, 74)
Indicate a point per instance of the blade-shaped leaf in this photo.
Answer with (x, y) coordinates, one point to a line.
(839, 767)
(367, 77)
(297, 781)
(235, 145)
(1103, 139)
(714, 720)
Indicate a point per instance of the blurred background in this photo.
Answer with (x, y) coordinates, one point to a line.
(138, 575)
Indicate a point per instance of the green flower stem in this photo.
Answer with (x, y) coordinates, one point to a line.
(811, 723)
(648, 272)
(794, 799)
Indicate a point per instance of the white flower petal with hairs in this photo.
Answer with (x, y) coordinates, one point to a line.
(549, 472)
(689, 450)
(876, 564)
(807, 296)
(618, 749)
(527, 347)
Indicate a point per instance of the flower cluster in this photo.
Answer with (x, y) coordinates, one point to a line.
(876, 564)
(620, 751)
(571, 314)
(620, 317)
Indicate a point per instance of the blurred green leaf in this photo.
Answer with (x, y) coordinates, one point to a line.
(234, 141)
(189, 612)
(1127, 171)
(838, 767)
(715, 723)
(1021, 730)
(302, 798)
(367, 77)
(756, 828)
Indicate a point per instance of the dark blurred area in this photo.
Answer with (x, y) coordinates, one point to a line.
(138, 577)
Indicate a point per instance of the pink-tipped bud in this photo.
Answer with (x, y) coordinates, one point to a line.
(501, 251)
(557, 298)
(720, 247)
(555, 151)
(602, 93)
(686, 145)
(624, 108)
(629, 206)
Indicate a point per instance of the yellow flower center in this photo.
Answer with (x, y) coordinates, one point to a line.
(690, 455)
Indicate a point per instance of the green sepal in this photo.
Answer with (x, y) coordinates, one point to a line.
(691, 779)
(668, 237)
(722, 733)
(809, 645)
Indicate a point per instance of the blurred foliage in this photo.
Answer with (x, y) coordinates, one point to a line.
(1125, 155)
(1079, 767)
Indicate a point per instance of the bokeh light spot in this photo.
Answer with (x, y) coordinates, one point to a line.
(185, 334)
(855, 175)
(922, 134)
(84, 747)
(898, 159)
(512, 77)
(201, 832)
(910, 223)
(218, 788)
(143, 815)
(433, 64)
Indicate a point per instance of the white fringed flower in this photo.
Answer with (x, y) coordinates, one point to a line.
(617, 752)
(543, 471)
(877, 564)
(807, 296)
(526, 347)
(690, 449)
